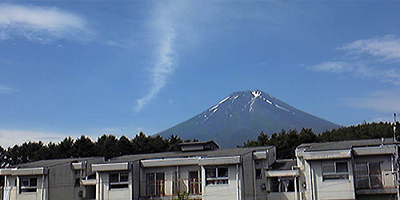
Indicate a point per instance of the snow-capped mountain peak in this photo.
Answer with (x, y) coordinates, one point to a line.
(241, 116)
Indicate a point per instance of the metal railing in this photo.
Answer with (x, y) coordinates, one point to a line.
(158, 187)
(373, 180)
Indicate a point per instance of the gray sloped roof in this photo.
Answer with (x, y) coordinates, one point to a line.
(53, 162)
(283, 164)
(348, 144)
(179, 154)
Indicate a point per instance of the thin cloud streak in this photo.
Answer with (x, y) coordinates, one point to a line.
(41, 24)
(184, 25)
(166, 61)
(334, 67)
(6, 90)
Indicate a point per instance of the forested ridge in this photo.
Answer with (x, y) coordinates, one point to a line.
(109, 146)
(287, 141)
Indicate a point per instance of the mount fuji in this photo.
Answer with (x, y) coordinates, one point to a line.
(242, 116)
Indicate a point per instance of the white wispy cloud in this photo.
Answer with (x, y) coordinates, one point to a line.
(386, 47)
(5, 89)
(382, 101)
(165, 54)
(181, 26)
(332, 66)
(11, 137)
(374, 59)
(38, 23)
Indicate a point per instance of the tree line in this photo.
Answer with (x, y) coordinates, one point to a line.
(287, 141)
(110, 146)
(107, 146)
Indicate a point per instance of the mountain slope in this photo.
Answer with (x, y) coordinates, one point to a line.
(242, 116)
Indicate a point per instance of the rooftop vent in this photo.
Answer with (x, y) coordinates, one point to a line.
(199, 146)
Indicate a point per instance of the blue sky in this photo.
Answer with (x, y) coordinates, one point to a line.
(69, 68)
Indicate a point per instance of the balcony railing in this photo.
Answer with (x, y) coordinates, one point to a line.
(158, 187)
(374, 180)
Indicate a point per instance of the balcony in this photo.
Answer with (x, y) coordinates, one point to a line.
(370, 179)
(193, 187)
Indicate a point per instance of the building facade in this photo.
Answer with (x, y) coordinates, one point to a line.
(358, 169)
(202, 173)
(50, 180)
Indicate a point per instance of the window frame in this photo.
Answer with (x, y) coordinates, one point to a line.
(370, 177)
(217, 180)
(259, 173)
(118, 184)
(336, 174)
(30, 188)
(195, 183)
(156, 186)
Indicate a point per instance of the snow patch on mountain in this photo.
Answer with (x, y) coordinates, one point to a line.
(280, 107)
(256, 93)
(219, 103)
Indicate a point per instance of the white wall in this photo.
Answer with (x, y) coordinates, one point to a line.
(282, 196)
(228, 191)
(328, 189)
(103, 191)
(13, 183)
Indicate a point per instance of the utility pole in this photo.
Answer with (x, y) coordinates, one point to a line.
(397, 156)
(394, 127)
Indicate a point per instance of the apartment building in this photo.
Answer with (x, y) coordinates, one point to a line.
(358, 169)
(50, 180)
(201, 169)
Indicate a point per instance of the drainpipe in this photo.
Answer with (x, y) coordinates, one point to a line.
(311, 182)
(295, 189)
(99, 189)
(254, 179)
(203, 182)
(352, 170)
(238, 182)
(43, 188)
(177, 181)
(296, 184)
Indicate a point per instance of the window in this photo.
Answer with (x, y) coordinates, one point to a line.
(217, 176)
(258, 174)
(335, 170)
(77, 182)
(194, 182)
(119, 180)
(155, 184)
(368, 175)
(282, 184)
(28, 184)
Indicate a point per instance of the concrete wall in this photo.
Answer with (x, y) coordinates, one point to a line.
(317, 188)
(62, 182)
(228, 191)
(104, 192)
(261, 184)
(62, 179)
(248, 169)
(282, 196)
(12, 184)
